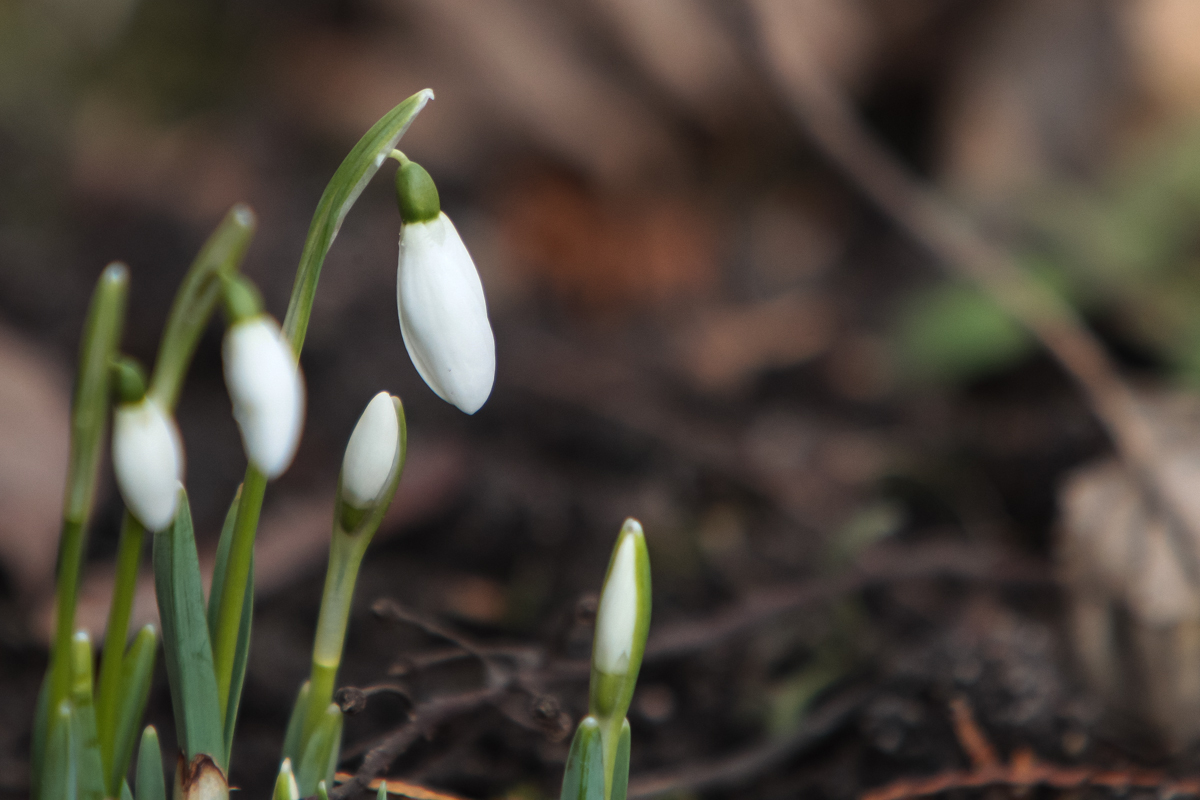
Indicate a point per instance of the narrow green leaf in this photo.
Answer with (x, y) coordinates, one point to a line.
(620, 775)
(151, 780)
(126, 792)
(59, 777)
(89, 765)
(322, 792)
(185, 638)
(584, 777)
(221, 562)
(382, 793)
(136, 674)
(240, 657)
(321, 753)
(340, 194)
(295, 726)
(242, 651)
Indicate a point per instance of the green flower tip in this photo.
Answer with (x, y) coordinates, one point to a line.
(243, 215)
(129, 380)
(416, 192)
(115, 273)
(242, 300)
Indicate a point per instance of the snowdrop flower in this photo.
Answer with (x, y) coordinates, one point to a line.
(267, 391)
(616, 616)
(148, 461)
(371, 452)
(443, 313)
(622, 623)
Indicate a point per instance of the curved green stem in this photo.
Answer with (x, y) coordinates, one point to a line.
(196, 300)
(344, 188)
(89, 417)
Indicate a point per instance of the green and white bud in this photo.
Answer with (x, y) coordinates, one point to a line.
(622, 624)
(439, 297)
(285, 784)
(267, 390)
(371, 453)
(148, 461)
(616, 618)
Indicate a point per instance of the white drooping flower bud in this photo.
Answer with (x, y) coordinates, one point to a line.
(616, 617)
(267, 391)
(443, 314)
(148, 461)
(371, 452)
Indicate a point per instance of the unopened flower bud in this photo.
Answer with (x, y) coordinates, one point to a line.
(148, 461)
(443, 313)
(622, 623)
(616, 616)
(267, 391)
(371, 453)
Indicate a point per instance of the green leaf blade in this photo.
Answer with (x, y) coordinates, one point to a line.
(340, 194)
(136, 675)
(151, 780)
(186, 645)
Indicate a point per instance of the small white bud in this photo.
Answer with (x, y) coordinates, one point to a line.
(371, 452)
(148, 461)
(443, 314)
(616, 617)
(267, 391)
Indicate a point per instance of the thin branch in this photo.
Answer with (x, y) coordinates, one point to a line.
(823, 111)
(426, 717)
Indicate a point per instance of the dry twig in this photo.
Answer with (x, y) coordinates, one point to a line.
(527, 669)
(1023, 771)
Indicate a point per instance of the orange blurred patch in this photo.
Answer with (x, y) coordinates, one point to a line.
(604, 254)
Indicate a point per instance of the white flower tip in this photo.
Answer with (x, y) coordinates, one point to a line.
(148, 461)
(443, 314)
(267, 390)
(616, 618)
(371, 452)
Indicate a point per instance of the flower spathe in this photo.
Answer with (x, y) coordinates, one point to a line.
(267, 391)
(443, 313)
(371, 452)
(148, 461)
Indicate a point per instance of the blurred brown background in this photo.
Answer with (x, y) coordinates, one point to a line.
(700, 322)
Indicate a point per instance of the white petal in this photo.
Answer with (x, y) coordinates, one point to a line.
(617, 615)
(267, 391)
(148, 462)
(371, 452)
(443, 314)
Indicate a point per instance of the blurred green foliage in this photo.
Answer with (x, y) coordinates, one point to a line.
(1125, 251)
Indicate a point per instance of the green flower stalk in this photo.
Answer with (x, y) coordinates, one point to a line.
(340, 194)
(598, 764)
(371, 469)
(89, 414)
